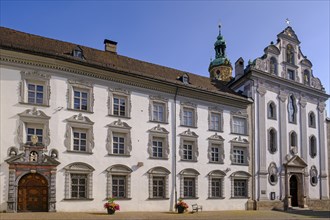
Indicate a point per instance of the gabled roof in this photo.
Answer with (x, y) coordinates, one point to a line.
(32, 44)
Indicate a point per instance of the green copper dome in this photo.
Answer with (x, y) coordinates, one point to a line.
(220, 52)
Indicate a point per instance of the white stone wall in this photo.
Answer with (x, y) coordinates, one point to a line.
(100, 160)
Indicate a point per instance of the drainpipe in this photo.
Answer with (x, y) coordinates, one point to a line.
(174, 147)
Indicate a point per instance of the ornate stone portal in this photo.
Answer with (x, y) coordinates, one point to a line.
(295, 193)
(37, 170)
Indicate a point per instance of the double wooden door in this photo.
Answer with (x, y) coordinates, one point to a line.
(32, 193)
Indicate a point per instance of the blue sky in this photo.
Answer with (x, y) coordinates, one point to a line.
(178, 34)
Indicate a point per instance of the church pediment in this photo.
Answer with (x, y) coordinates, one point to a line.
(296, 161)
(26, 159)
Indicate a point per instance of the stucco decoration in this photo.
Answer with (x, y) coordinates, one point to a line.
(316, 83)
(158, 172)
(123, 93)
(119, 170)
(12, 151)
(216, 140)
(158, 132)
(122, 128)
(313, 176)
(191, 137)
(158, 99)
(80, 84)
(33, 116)
(192, 106)
(262, 64)
(240, 143)
(272, 173)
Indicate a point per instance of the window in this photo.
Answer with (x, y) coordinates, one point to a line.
(35, 88)
(239, 152)
(272, 173)
(272, 140)
(78, 186)
(188, 183)
(240, 184)
(188, 115)
(158, 109)
(78, 181)
(215, 122)
(290, 54)
(291, 74)
(313, 175)
(118, 186)
(119, 103)
(77, 52)
(239, 125)
(158, 183)
(185, 79)
(79, 136)
(216, 149)
(188, 149)
(271, 110)
(273, 66)
(33, 122)
(119, 182)
(81, 97)
(293, 142)
(119, 139)
(79, 140)
(158, 147)
(292, 109)
(306, 77)
(311, 120)
(312, 146)
(216, 184)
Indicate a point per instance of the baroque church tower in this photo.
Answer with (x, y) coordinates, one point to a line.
(220, 68)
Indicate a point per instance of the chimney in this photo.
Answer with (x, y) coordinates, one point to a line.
(239, 68)
(110, 46)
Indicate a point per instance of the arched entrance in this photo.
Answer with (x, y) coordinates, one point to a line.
(32, 193)
(294, 190)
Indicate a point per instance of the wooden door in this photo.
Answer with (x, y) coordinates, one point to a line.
(294, 190)
(32, 193)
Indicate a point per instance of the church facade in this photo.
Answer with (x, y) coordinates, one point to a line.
(80, 125)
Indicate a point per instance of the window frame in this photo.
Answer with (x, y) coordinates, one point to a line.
(124, 129)
(308, 81)
(190, 174)
(272, 170)
(219, 141)
(216, 175)
(243, 145)
(189, 137)
(122, 93)
(219, 113)
(273, 61)
(272, 142)
(158, 133)
(312, 146)
(119, 170)
(272, 105)
(159, 172)
(240, 176)
(289, 49)
(79, 123)
(292, 101)
(81, 86)
(80, 169)
(36, 78)
(188, 106)
(313, 173)
(242, 116)
(311, 121)
(293, 76)
(160, 101)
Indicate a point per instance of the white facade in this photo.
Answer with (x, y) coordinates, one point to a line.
(97, 165)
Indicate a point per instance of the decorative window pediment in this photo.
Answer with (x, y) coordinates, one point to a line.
(240, 151)
(217, 173)
(119, 141)
(158, 145)
(240, 184)
(158, 183)
(119, 181)
(216, 184)
(79, 135)
(215, 119)
(188, 149)
(240, 174)
(80, 95)
(158, 109)
(119, 102)
(216, 153)
(189, 183)
(188, 114)
(239, 122)
(189, 133)
(35, 121)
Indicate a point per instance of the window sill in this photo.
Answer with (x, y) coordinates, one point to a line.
(188, 126)
(190, 198)
(239, 197)
(158, 158)
(121, 198)
(213, 162)
(158, 198)
(240, 164)
(79, 152)
(119, 116)
(159, 122)
(78, 199)
(189, 161)
(239, 134)
(119, 155)
(215, 198)
(213, 130)
(78, 110)
(33, 104)
(272, 118)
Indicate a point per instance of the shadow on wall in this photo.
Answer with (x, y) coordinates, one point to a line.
(4, 183)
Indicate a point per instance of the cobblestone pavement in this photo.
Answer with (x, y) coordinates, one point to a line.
(251, 215)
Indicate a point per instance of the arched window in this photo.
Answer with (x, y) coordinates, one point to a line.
(312, 146)
(273, 66)
(292, 110)
(272, 142)
(289, 54)
(271, 110)
(306, 77)
(119, 181)
(311, 120)
(293, 139)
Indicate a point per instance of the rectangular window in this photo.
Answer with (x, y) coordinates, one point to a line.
(158, 113)
(188, 118)
(157, 148)
(118, 186)
(119, 106)
(35, 93)
(215, 122)
(79, 140)
(215, 149)
(118, 145)
(239, 125)
(78, 186)
(158, 187)
(187, 150)
(80, 100)
(216, 187)
(291, 74)
(238, 156)
(34, 131)
(189, 187)
(240, 188)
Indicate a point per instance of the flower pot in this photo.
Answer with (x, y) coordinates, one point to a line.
(111, 211)
(180, 209)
